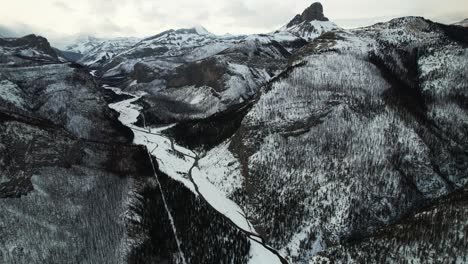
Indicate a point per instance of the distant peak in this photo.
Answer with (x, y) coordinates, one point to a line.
(202, 31)
(313, 12)
(463, 23)
(199, 30)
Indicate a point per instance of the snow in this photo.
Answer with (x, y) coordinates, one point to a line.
(260, 255)
(405, 30)
(173, 164)
(310, 30)
(208, 50)
(243, 82)
(134, 82)
(179, 163)
(169, 162)
(12, 94)
(171, 219)
(222, 169)
(106, 50)
(463, 23)
(202, 31)
(219, 201)
(83, 45)
(281, 36)
(197, 99)
(299, 237)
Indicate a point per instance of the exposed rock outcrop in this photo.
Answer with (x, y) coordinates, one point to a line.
(313, 12)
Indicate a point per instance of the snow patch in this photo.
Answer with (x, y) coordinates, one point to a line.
(11, 93)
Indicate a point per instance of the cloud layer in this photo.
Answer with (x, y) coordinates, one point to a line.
(112, 18)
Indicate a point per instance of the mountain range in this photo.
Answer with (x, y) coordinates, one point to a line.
(308, 144)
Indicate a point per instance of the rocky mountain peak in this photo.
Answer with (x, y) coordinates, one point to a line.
(313, 12)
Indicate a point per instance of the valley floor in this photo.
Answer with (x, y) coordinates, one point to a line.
(181, 164)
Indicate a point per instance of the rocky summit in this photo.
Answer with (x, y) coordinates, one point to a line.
(309, 144)
(313, 12)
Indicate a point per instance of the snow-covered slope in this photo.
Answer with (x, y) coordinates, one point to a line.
(69, 175)
(192, 74)
(174, 43)
(36, 83)
(94, 52)
(83, 45)
(463, 23)
(181, 164)
(442, 237)
(200, 89)
(309, 25)
(104, 51)
(167, 50)
(308, 30)
(364, 126)
(55, 180)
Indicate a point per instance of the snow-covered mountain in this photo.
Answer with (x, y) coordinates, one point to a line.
(168, 50)
(83, 44)
(202, 88)
(310, 24)
(106, 51)
(353, 136)
(463, 23)
(310, 144)
(196, 73)
(93, 52)
(68, 173)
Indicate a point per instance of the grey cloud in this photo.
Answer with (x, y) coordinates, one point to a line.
(6, 32)
(105, 27)
(19, 30)
(108, 18)
(240, 14)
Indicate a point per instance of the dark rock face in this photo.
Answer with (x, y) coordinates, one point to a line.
(313, 12)
(30, 41)
(205, 73)
(143, 73)
(28, 50)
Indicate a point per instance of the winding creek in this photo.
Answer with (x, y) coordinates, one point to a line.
(181, 164)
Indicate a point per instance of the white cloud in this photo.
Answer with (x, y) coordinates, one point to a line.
(112, 18)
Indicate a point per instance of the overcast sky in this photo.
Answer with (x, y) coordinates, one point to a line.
(112, 18)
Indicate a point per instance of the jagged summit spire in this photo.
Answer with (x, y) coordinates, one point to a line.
(313, 12)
